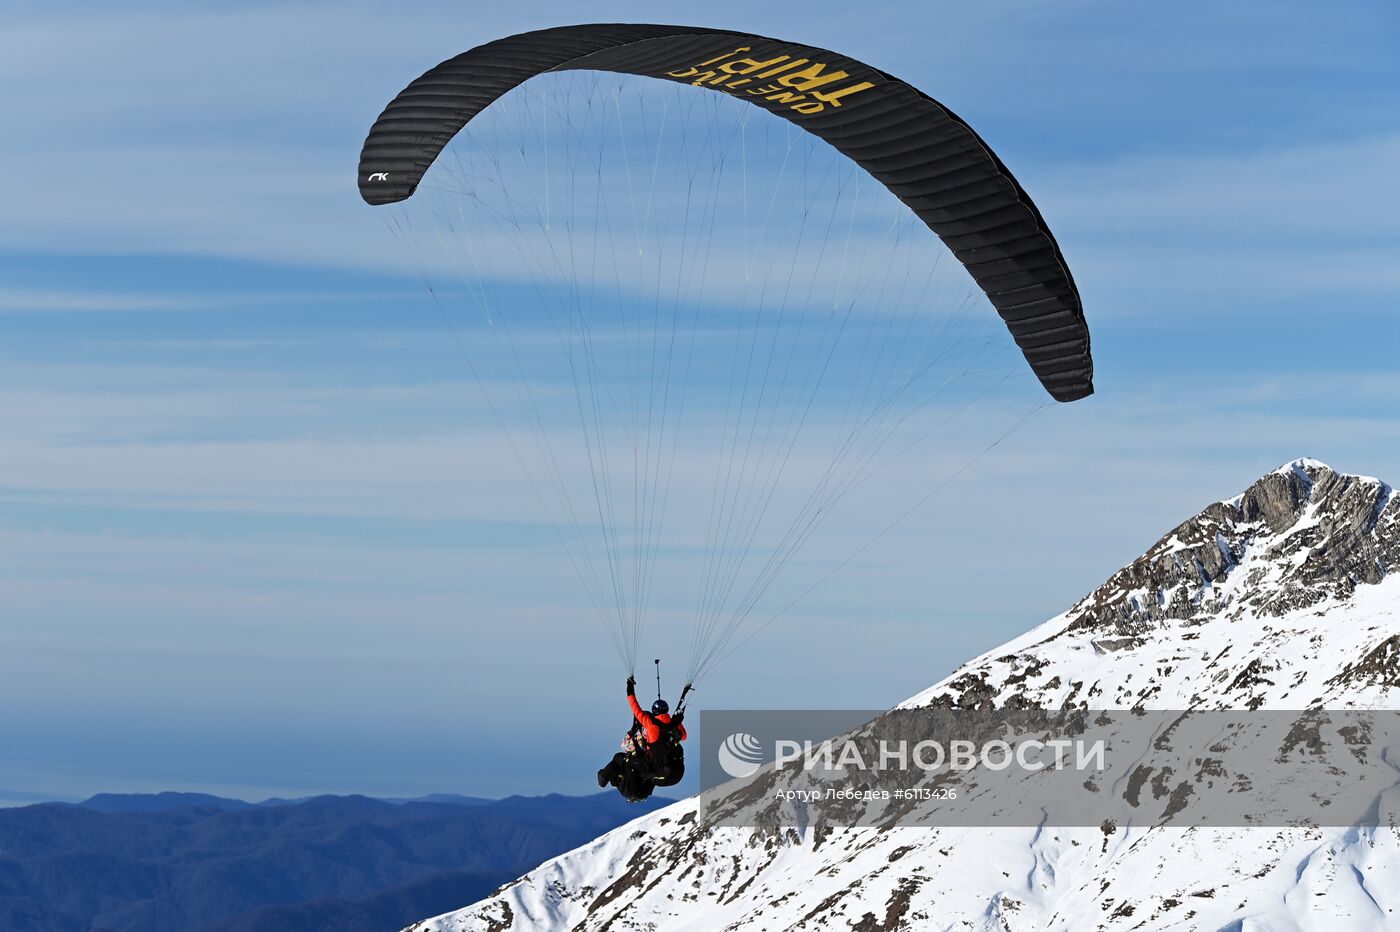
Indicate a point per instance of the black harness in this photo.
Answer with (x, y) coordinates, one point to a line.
(662, 761)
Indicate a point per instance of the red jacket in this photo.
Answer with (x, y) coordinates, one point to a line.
(650, 729)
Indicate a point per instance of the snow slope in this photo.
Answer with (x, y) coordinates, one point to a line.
(1283, 597)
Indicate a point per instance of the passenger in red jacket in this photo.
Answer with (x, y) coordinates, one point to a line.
(651, 752)
(651, 722)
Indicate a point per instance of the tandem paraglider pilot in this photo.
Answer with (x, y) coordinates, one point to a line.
(651, 754)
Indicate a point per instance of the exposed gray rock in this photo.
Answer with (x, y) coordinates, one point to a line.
(1297, 536)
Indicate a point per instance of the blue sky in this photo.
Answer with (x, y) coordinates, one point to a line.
(257, 535)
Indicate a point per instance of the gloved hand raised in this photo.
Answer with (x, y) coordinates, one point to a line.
(631, 685)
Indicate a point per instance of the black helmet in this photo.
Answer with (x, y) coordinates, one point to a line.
(659, 707)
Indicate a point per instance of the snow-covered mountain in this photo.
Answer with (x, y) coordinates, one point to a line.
(1284, 597)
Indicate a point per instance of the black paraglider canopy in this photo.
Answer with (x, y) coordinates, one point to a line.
(922, 152)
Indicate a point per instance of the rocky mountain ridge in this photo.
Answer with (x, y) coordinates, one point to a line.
(1298, 536)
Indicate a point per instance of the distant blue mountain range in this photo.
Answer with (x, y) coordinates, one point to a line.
(172, 862)
(159, 802)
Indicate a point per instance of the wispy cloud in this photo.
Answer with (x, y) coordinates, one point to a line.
(42, 300)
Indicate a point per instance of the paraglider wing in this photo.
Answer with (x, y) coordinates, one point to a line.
(923, 153)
